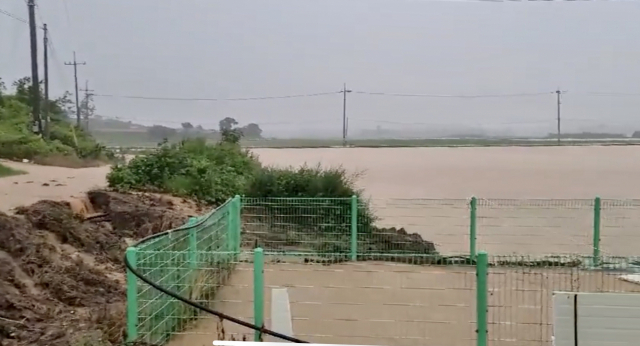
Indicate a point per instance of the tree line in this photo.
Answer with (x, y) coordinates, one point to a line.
(227, 128)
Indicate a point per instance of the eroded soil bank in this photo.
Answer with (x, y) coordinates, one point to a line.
(61, 270)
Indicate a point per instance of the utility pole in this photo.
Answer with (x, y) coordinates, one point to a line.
(558, 93)
(35, 81)
(87, 92)
(344, 115)
(45, 104)
(75, 76)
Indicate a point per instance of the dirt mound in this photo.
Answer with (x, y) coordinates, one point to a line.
(392, 244)
(396, 240)
(61, 275)
(137, 215)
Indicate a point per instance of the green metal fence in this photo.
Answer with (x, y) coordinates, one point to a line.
(194, 261)
(353, 277)
(519, 308)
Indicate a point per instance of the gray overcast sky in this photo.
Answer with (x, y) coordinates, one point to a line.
(245, 48)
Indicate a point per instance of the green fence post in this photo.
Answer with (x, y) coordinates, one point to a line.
(238, 225)
(132, 296)
(481, 297)
(231, 230)
(596, 231)
(472, 227)
(193, 243)
(354, 228)
(258, 291)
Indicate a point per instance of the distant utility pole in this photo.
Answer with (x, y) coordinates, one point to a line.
(558, 93)
(87, 92)
(344, 115)
(45, 104)
(75, 76)
(35, 81)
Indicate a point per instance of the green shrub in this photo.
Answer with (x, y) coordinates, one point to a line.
(331, 188)
(213, 173)
(210, 173)
(305, 181)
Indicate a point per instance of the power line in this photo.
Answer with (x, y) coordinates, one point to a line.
(11, 15)
(66, 12)
(40, 16)
(369, 93)
(217, 99)
(611, 94)
(57, 61)
(452, 96)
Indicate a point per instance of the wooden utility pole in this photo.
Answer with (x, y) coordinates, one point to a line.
(75, 77)
(87, 92)
(35, 81)
(45, 104)
(344, 115)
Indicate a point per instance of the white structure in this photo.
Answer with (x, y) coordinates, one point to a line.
(281, 312)
(253, 343)
(596, 319)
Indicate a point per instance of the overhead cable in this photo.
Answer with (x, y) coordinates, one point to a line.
(11, 15)
(452, 96)
(215, 99)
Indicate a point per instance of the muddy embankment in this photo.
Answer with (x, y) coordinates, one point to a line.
(61, 272)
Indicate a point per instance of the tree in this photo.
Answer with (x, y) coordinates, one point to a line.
(231, 136)
(23, 90)
(66, 105)
(251, 130)
(87, 108)
(636, 134)
(159, 132)
(3, 88)
(187, 126)
(227, 124)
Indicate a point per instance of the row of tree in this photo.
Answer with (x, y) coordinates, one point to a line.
(226, 126)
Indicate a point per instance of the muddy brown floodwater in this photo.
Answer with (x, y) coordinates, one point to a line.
(46, 182)
(366, 303)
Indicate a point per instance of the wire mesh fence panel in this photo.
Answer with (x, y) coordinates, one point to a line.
(194, 261)
(444, 222)
(535, 227)
(231, 294)
(376, 303)
(620, 222)
(520, 308)
(297, 224)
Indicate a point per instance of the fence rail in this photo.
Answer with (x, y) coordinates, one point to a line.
(594, 227)
(349, 266)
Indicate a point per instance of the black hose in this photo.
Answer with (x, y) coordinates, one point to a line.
(196, 305)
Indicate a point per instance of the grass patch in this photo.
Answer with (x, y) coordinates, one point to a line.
(8, 171)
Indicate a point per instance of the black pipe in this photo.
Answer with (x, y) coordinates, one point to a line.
(196, 305)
